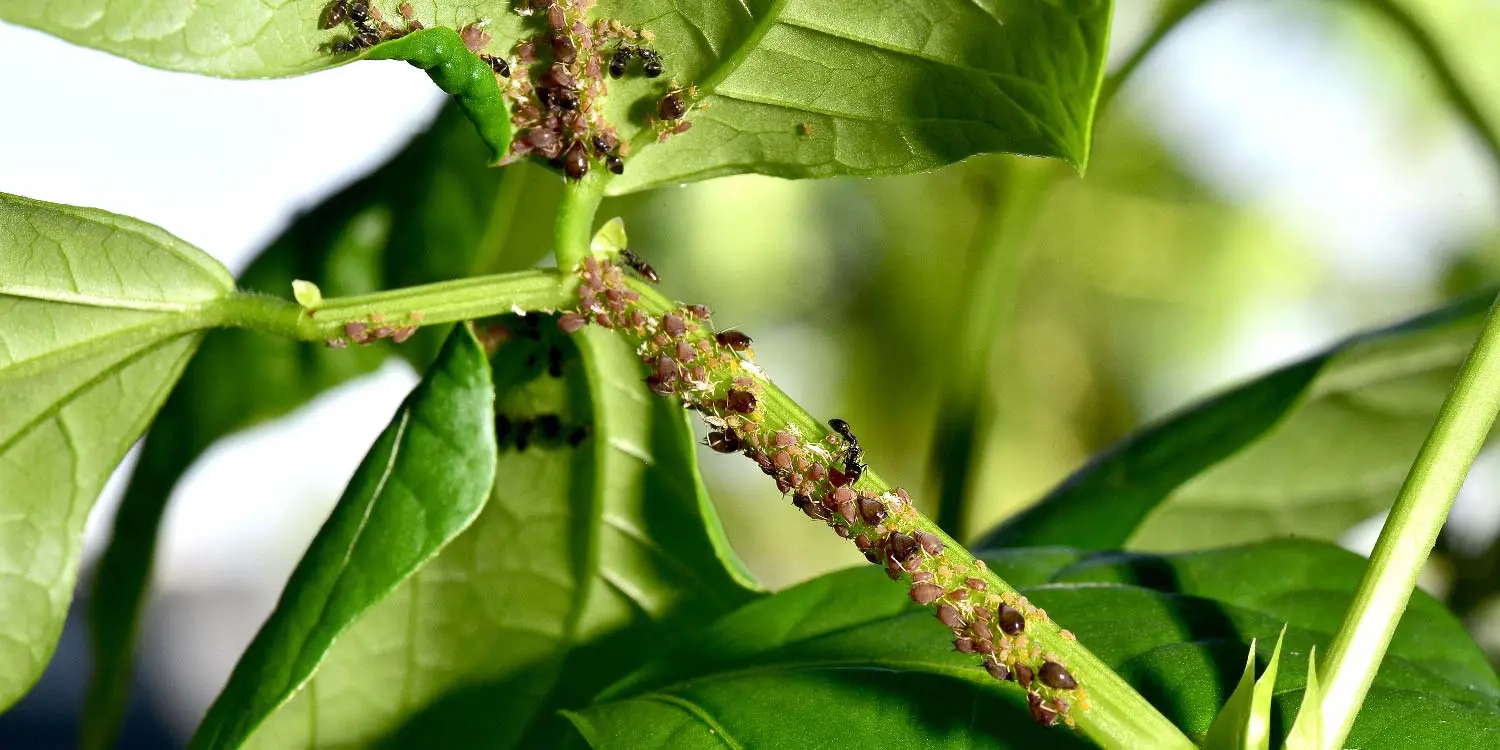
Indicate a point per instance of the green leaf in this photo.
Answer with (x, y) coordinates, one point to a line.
(596, 549)
(1306, 450)
(461, 73)
(424, 480)
(433, 212)
(1307, 729)
(793, 88)
(883, 88)
(98, 315)
(1244, 723)
(847, 660)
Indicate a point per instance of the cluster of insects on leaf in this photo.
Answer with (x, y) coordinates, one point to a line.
(557, 104)
(377, 328)
(536, 350)
(712, 372)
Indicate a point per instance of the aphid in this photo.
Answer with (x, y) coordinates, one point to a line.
(996, 669)
(650, 62)
(698, 311)
(1043, 713)
(673, 325)
(977, 584)
(579, 434)
(672, 106)
(570, 322)
(563, 49)
(963, 645)
(905, 550)
(930, 543)
(1024, 675)
(1055, 675)
(733, 339)
(643, 268)
(354, 330)
(871, 510)
(948, 615)
(576, 162)
(499, 65)
(807, 129)
(926, 593)
(402, 334)
(556, 19)
(981, 630)
(725, 441)
(1011, 621)
(812, 509)
(620, 60)
(740, 401)
(335, 14)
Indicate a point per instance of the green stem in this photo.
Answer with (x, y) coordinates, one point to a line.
(1462, 426)
(1117, 717)
(443, 302)
(575, 219)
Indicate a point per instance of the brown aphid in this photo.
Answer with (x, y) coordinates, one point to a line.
(673, 324)
(926, 593)
(698, 311)
(985, 647)
(871, 510)
(846, 510)
(930, 543)
(660, 386)
(1024, 675)
(1041, 711)
(570, 322)
(740, 401)
(905, 550)
(807, 129)
(576, 162)
(335, 14)
(671, 107)
(950, 616)
(922, 576)
(354, 330)
(963, 645)
(863, 543)
(563, 49)
(873, 555)
(1010, 620)
(1055, 675)
(843, 531)
(812, 509)
(402, 334)
(782, 460)
(982, 630)
(977, 584)
(996, 669)
(556, 19)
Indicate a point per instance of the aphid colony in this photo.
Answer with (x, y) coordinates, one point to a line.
(711, 373)
(520, 431)
(558, 111)
(375, 329)
(557, 107)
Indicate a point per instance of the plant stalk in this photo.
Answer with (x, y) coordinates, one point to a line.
(428, 304)
(575, 219)
(1409, 533)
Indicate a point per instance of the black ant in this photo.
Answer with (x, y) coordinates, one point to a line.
(498, 64)
(620, 60)
(853, 468)
(335, 14)
(611, 157)
(639, 265)
(650, 61)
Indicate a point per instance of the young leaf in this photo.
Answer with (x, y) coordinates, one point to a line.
(1307, 730)
(784, 671)
(461, 73)
(433, 212)
(423, 481)
(98, 315)
(1306, 450)
(595, 550)
(1245, 721)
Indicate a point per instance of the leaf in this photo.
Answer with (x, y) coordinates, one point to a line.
(595, 550)
(1244, 723)
(424, 480)
(433, 212)
(792, 88)
(461, 73)
(882, 88)
(1306, 450)
(847, 660)
(1307, 729)
(98, 315)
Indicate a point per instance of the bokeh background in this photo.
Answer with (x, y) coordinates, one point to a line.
(1277, 175)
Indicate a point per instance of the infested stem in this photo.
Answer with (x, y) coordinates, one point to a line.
(1105, 707)
(443, 302)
